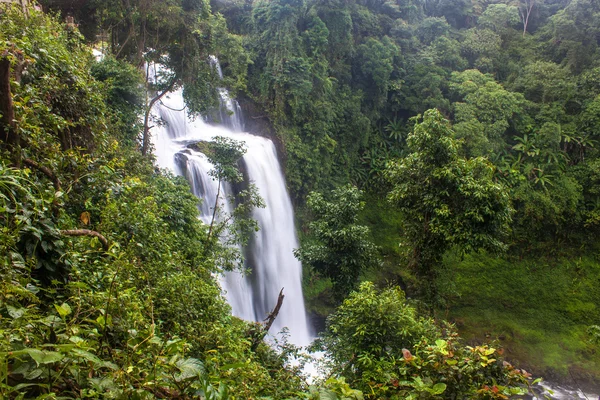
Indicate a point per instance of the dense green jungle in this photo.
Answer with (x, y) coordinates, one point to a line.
(443, 161)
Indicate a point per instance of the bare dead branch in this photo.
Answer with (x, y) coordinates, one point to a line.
(86, 232)
(273, 314)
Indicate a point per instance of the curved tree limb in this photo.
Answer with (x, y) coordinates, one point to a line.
(146, 134)
(86, 232)
(46, 171)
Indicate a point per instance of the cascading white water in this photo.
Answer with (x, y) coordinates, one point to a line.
(196, 164)
(230, 113)
(271, 263)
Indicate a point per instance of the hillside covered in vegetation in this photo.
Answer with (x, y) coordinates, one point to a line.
(443, 161)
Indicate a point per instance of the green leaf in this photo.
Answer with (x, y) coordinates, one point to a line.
(438, 388)
(63, 310)
(15, 313)
(189, 367)
(233, 366)
(327, 395)
(43, 356)
(86, 355)
(20, 386)
(33, 374)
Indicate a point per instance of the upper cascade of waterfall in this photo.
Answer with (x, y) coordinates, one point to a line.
(230, 113)
(216, 65)
(270, 264)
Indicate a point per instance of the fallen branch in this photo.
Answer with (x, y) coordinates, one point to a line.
(273, 314)
(86, 232)
(46, 171)
(258, 331)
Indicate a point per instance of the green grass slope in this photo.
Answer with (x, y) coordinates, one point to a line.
(539, 309)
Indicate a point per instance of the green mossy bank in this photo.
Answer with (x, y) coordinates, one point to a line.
(539, 309)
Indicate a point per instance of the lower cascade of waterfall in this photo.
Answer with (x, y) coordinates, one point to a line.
(270, 261)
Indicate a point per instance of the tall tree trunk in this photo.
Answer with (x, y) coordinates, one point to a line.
(131, 32)
(525, 11)
(8, 129)
(141, 43)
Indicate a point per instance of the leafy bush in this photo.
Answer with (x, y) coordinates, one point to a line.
(381, 345)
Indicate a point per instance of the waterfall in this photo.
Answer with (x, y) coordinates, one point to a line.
(270, 263)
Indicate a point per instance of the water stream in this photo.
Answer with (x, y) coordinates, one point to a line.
(548, 390)
(270, 264)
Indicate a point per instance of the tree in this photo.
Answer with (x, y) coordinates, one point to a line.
(525, 8)
(456, 11)
(500, 18)
(423, 89)
(569, 32)
(480, 47)
(546, 82)
(338, 247)
(445, 52)
(7, 114)
(225, 231)
(485, 111)
(447, 200)
(431, 28)
(376, 60)
(125, 94)
(223, 153)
